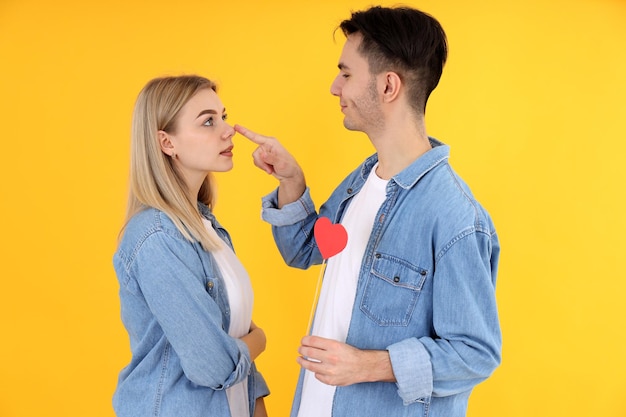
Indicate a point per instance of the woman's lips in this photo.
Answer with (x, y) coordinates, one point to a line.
(228, 151)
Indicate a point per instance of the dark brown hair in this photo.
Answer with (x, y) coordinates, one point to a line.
(406, 41)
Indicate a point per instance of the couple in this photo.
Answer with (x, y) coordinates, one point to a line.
(406, 323)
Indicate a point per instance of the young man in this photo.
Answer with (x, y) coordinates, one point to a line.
(407, 322)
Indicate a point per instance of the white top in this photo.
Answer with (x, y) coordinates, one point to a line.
(240, 300)
(334, 309)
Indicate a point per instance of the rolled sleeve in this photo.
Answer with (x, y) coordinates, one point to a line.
(288, 214)
(260, 386)
(242, 367)
(413, 370)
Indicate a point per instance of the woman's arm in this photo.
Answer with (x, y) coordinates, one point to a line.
(255, 340)
(259, 409)
(169, 274)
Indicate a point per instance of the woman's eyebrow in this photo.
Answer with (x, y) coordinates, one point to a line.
(210, 111)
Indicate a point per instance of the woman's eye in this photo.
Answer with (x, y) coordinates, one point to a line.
(209, 122)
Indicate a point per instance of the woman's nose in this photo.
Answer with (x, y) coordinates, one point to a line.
(229, 132)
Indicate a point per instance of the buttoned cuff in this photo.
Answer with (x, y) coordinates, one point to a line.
(288, 214)
(413, 370)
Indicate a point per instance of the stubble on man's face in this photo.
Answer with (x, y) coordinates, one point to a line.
(367, 114)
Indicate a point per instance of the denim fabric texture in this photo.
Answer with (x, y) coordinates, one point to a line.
(176, 312)
(426, 290)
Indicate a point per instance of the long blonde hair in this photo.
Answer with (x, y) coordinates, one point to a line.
(154, 181)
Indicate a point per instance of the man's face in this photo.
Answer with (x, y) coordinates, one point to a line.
(357, 89)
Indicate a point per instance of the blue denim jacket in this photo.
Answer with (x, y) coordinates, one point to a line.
(426, 290)
(175, 309)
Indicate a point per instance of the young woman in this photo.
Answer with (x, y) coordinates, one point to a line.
(186, 299)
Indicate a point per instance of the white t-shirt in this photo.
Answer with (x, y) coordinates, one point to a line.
(240, 301)
(334, 309)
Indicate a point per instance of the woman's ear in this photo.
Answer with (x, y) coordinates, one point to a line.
(167, 147)
(392, 85)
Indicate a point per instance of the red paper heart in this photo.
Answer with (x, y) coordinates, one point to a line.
(331, 238)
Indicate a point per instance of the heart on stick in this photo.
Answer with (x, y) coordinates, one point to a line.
(331, 238)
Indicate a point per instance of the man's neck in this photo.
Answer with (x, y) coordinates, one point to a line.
(398, 146)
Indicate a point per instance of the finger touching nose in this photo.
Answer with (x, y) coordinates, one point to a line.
(254, 137)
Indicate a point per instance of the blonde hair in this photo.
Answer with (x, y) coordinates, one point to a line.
(154, 181)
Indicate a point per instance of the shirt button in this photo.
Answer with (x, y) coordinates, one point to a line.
(377, 256)
(422, 273)
(210, 285)
(349, 190)
(396, 279)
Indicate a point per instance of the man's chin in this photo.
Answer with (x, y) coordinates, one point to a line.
(348, 125)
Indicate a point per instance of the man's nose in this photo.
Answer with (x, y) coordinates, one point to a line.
(335, 88)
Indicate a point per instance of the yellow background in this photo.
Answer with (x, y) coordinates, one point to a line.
(532, 102)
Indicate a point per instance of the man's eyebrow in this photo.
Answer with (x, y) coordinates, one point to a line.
(342, 66)
(209, 111)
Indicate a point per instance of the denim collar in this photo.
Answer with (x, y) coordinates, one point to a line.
(409, 176)
(206, 212)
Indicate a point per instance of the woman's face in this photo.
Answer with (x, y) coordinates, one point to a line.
(202, 141)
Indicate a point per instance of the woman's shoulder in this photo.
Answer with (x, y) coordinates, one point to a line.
(150, 237)
(148, 219)
(145, 224)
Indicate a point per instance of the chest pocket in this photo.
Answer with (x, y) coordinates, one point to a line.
(392, 290)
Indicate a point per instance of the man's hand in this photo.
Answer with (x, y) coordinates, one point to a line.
(339, 364)
(273, 158)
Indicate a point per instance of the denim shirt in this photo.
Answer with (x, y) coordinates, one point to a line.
(175, 309)
(425, 292)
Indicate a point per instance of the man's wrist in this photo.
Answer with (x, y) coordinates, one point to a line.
(290, 190)
(378, 366)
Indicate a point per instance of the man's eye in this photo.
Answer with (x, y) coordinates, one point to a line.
(209, 122)
(224, 117)
(345, 75)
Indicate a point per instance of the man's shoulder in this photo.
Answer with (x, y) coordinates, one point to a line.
(451, 199)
